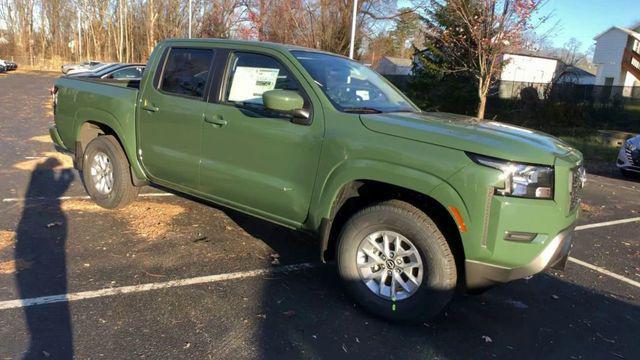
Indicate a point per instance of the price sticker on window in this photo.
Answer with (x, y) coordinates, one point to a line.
(249, 83)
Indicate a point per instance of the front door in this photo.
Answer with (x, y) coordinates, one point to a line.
(255, 159)
(170, 117)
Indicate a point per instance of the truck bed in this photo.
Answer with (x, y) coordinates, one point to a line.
(105, 101)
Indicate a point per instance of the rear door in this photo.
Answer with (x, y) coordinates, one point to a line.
(253, 158)
(170, 116)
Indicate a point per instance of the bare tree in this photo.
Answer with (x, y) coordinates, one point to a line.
(471, 36)
(51, 31)
(220, 18)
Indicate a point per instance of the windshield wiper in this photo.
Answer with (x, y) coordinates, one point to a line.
(404, 110)
(364, 110)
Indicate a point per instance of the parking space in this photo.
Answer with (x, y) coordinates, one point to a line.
(172, 277)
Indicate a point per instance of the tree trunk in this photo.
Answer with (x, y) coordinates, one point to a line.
(121, 31)
(481, 106)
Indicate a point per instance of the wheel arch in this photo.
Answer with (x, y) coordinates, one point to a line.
(93, 123)
(431, 194)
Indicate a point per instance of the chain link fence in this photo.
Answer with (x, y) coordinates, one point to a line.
(574, 93)
(555, 108)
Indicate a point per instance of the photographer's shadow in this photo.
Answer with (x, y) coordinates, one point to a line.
(40, 249)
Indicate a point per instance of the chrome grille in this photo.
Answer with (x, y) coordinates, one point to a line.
(578, 178)
(632, 155)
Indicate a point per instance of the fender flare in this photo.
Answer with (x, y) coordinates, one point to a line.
(96, 116)
(350, 171)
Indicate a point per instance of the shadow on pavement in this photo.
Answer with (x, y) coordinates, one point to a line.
(40, 247)
(308, 316)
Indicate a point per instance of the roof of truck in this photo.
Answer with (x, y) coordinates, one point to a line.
(262, 44)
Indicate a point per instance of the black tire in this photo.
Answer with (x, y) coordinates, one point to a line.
(439, 274)
(122, 192)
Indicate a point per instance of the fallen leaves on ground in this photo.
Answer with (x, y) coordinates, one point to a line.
(11, 266)
(589, 208)
(145, 218)
(6, 238)
(42, 138)
(48, 106)
(63, 162)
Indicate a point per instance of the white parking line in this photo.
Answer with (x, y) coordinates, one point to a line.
(77, 197)
(13, 304)
(607, 223)
(598, 268)
(605, 272)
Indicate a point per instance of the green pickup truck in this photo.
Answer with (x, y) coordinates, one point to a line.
(411, 205)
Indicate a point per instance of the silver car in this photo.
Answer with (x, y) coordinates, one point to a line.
(629, 156)
(83, 65)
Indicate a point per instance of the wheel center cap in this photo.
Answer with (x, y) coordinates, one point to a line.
(390, 264)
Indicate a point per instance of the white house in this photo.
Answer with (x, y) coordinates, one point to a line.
(528, 68)
(617, 56)
(522, 70)
(569, 74)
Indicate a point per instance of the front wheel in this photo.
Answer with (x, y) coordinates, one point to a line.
(395, 262)
(106, 175)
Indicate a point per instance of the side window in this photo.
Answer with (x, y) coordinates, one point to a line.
(252, 74)
(186, 72)
(128, 73)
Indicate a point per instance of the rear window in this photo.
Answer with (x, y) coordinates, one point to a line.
(128, 73)
(186, 72)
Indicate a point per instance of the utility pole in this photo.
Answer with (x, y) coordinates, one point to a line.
(190, 16)
(353, 28)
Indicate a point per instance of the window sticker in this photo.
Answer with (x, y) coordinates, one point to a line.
(249, 83)
(363, 94)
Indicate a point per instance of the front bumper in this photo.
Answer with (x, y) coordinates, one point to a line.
(480, 274)
(628, 160)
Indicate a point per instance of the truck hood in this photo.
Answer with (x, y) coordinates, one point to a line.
(490, 138)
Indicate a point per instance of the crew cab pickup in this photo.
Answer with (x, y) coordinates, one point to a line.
(409, 204)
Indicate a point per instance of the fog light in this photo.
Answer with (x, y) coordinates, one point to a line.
(519, 236)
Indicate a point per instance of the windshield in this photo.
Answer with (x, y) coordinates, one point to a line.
(106, 68)
(352, 87)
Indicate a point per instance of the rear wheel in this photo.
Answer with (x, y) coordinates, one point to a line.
(106, 175)
(396, 263)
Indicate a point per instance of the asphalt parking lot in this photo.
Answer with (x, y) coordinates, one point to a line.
(169, 277)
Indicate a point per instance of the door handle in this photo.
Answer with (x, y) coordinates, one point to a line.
(216, 120)
(149, 107)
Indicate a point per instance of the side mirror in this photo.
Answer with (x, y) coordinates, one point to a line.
(287, 102)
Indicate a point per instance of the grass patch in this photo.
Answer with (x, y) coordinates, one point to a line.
(593, 147)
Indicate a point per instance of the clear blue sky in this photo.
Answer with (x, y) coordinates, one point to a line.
(584, 19)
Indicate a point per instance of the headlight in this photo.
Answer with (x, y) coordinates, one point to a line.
(521, 180)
